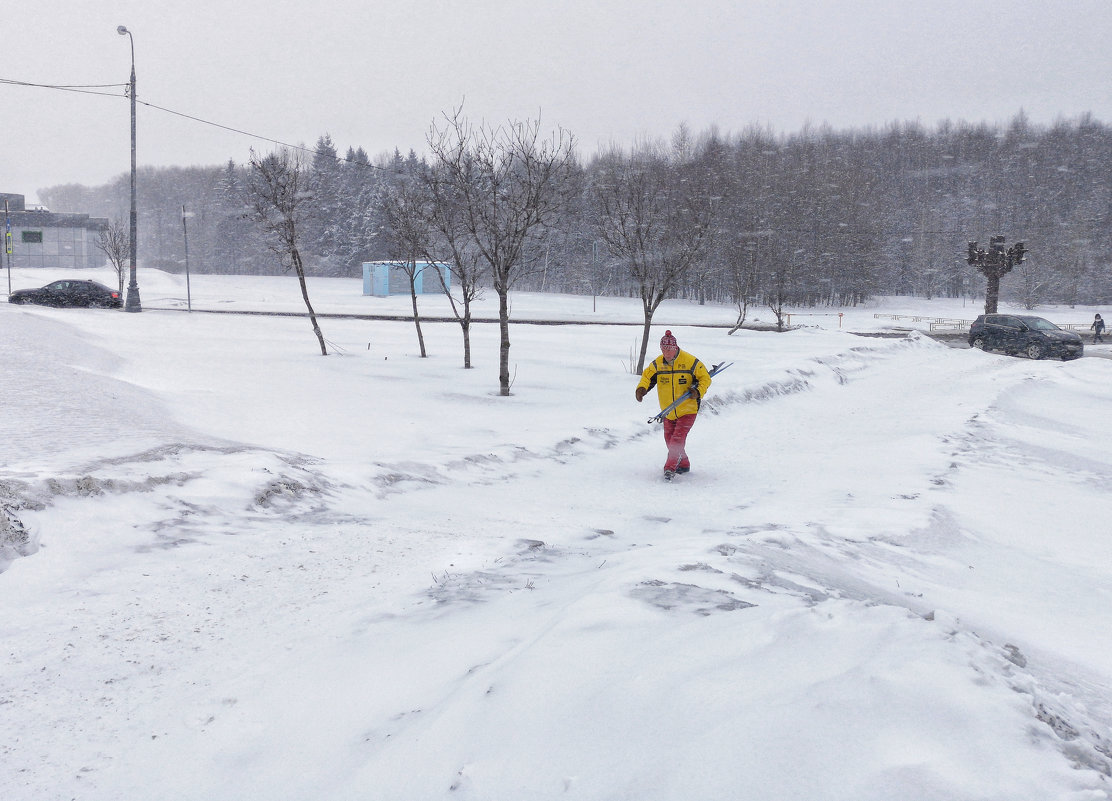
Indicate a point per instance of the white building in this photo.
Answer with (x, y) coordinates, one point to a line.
(39, 238)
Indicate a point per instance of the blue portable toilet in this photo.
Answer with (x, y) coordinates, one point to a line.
(384, 278)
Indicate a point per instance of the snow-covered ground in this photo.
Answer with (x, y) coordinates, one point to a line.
(236, 569)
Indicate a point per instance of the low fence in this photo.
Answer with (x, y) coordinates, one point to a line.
(943, 324)
(935, 323)
(788, 317)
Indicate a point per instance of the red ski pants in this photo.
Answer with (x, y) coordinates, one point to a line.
(675, 436)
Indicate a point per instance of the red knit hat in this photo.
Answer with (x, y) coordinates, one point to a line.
(668, 341)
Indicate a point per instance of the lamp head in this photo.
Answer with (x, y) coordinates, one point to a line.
(122, 30)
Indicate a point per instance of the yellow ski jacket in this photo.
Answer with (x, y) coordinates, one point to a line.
(672, 380)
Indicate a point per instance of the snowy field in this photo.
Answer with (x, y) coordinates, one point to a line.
(235, 569)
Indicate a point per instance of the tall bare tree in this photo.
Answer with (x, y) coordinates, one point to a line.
(406, 205)
(451, 245)
(115, 242)
(511, 182)
(780, 290)
(742, 275)
(655, 215)
(281, 204)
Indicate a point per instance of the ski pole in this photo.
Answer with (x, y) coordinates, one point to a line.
(657, 418)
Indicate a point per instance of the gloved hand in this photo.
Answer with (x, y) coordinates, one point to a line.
(640, 393)
(694, 394)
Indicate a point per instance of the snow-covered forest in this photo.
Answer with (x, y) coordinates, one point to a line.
(826, 216)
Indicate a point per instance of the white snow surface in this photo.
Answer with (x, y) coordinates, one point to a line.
(236, 569)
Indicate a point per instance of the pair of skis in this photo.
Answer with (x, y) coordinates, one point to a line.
(659, 418)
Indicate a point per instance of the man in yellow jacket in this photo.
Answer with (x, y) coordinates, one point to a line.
(675, 372)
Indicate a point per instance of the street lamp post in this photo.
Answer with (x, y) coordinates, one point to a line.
(132, 304)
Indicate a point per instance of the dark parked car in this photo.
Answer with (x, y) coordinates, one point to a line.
(69, 293)
(1019, 333)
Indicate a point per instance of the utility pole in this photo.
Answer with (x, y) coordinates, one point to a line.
(185, 236)
(8, 243)
(994, 264)
(132, 304)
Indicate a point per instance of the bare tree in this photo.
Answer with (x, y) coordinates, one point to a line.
(779, 291)
(452, 246)
(115, 242)
(281, 203)
(406, 205)
(1032, 285)
(655, 216)
(742, 277)
(510, 183)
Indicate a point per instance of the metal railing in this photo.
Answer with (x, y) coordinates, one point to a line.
(788, 316)
(956, 324)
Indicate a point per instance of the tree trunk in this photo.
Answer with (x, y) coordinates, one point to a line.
(465, 324)
(992, 291)
(296, 257)
(504, 348)
(416, 315)
(644, 341)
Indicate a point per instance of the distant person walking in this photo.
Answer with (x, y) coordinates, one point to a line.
(1097, 328)
(673, 373)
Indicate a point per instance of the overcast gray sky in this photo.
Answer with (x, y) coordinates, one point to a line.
(375, 73)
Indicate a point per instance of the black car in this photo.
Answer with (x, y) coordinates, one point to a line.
(1020, 333)
(69, 293)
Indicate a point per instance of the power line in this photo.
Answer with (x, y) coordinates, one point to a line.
(88, 89)
(252, 135)
(82, 89)
(229, 128)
